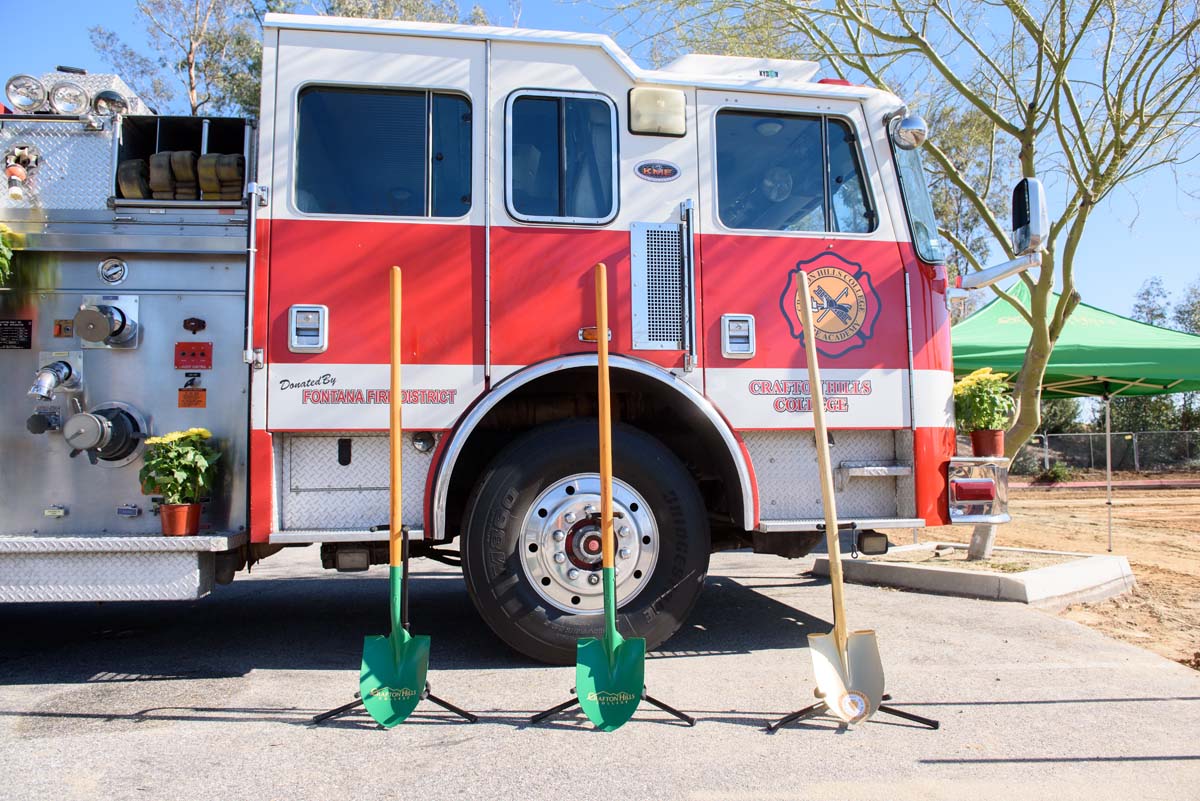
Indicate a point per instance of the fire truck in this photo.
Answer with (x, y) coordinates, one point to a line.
(232, 274)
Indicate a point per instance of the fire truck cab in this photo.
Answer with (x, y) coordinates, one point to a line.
(496, 167)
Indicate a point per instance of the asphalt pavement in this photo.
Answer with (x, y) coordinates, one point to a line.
(212, 700)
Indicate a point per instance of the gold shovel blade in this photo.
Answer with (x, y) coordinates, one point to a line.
(852, 693)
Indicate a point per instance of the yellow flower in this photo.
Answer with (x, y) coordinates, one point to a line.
(176, 436)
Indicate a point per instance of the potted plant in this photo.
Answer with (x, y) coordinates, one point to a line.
(179, 466)
(983, 406)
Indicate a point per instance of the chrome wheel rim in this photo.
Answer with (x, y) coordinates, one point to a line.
(560, 544)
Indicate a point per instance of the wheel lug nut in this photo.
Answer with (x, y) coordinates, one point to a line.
(624, 553)
(569, 517)
(623, 531)
(559, 535)
(560, 557)
(588, 508)
(573, 573)
(593, 579)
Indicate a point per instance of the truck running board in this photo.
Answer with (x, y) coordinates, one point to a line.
(107, 568)
(302, 536)
(811, 524)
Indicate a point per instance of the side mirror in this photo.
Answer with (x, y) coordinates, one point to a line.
(1030, 220)
(909, 132)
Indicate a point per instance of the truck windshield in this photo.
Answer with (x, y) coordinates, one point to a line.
(919, 207)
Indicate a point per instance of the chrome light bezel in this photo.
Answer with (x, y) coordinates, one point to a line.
(57, 105)
(115, 103)
(8, 92)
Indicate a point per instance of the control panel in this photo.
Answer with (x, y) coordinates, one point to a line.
(193, 355)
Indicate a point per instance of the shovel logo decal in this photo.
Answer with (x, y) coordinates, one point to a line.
(394, 693)
(605, 697)
(854, 705)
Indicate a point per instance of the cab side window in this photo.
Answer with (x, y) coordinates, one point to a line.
(383, 153)
(787, 172)
(562, 157)
(849, 206)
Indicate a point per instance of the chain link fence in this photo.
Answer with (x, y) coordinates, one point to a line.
(1140, 452)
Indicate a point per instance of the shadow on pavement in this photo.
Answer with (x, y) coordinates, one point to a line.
(318, 624)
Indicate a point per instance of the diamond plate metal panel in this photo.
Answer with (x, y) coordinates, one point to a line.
(906, 487)
(113, 576)
(99, 543)
(76, 169)
(316, 492)
(785, 463)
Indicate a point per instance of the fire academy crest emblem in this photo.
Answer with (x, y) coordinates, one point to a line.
(845, 304)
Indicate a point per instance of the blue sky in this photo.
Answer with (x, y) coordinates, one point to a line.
(1149, 227)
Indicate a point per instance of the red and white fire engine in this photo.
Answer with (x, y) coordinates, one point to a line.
(496, 166)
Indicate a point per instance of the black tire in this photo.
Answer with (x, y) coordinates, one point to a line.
(502, 497)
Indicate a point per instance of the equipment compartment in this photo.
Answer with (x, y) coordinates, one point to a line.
(165, 160)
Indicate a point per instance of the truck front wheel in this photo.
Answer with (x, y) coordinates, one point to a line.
(531, 555)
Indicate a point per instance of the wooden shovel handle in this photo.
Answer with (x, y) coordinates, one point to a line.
(395, 437)
(828, 501)
(605, 419)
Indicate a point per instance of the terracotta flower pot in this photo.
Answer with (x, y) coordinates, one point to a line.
(987, 443)
(180, 519)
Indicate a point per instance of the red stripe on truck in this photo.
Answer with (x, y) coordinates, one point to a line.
(932, 449)
(344, 266)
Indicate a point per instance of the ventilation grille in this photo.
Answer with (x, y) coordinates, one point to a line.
(657, 271)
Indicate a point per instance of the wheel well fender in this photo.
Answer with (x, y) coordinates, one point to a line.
(732, 461)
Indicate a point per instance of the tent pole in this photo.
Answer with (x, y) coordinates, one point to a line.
(1108, 466)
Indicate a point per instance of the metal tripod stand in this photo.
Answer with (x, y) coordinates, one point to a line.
(820, 708)
(426, 695)
(650, 699)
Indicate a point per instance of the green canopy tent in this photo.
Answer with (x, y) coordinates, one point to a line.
(1098, 354)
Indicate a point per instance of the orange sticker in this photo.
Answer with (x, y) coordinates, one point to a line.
(192, 398)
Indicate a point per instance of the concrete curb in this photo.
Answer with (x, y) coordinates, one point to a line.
(1088, 578)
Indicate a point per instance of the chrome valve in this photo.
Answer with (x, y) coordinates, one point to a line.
(50, 378)
(103, 323)
(111, 434)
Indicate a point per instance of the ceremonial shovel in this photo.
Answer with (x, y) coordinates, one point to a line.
(392, 676)
(609, 670)
(846, 665)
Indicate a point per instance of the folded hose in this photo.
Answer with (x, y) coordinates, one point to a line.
(133, 179)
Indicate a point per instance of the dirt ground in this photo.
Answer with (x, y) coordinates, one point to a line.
(1120, 475)
(1158, 530)
(1001, 561)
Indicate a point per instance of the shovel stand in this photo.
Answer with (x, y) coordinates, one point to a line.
(820, 708)
(650, 699)
(345, 709)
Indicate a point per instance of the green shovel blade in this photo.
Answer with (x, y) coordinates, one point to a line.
(392, 677)
(610, 673)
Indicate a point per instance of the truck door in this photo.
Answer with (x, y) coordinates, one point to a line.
(377, 162)
(791, 184)
(579, 188)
